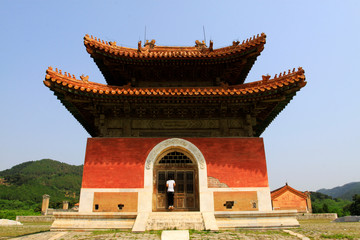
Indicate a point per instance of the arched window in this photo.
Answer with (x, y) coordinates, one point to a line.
(175, 157)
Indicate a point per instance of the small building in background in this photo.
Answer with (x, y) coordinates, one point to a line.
(288, 198)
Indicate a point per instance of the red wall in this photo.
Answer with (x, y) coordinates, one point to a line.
(119, 162)
(289, 201)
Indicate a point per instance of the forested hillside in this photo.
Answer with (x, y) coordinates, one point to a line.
(23, 186)
(322, 203)
(346, 191)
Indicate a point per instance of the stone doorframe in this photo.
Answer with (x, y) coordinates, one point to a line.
(206, 201)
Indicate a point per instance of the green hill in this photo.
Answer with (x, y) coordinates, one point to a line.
(322, 203)
(346, 191)
(24, 185)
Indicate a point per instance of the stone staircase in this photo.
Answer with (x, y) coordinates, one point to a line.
(175, 220)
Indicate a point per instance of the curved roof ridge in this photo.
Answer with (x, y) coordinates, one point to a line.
(299, 73)
(277, 192)
(65, 79)
(199, 50)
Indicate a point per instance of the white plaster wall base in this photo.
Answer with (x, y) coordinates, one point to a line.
(87, 196)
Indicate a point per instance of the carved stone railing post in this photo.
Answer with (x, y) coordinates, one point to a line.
(65, 205)
(45, 204)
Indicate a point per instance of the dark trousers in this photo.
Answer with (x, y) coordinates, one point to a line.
(170, 196)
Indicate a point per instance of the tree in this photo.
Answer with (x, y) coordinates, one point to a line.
(325, 208)
(354, 207)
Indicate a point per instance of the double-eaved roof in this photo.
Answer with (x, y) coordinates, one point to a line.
(175, 75)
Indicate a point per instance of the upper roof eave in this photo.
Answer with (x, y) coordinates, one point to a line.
(167, 52)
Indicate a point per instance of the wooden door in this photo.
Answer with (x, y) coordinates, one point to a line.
(185, 197)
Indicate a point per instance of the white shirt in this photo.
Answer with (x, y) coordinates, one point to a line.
(170, 184)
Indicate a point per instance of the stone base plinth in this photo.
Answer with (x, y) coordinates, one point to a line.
(174, 220)
(251, 219)
(35, 218)
(92, 221)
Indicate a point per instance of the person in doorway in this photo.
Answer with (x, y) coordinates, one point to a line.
(170, 185)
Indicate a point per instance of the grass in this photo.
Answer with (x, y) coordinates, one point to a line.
(110, 231)
(27, 228)
(201, 232)
(337, 236)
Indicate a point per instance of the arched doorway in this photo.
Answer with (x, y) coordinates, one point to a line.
(181, 166)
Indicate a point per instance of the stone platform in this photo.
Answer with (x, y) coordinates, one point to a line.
(92, 221)
(256, 220)
(140, 222)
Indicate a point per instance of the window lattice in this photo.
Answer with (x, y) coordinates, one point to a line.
(175, 157)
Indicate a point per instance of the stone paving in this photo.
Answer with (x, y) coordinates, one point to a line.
(156, 235)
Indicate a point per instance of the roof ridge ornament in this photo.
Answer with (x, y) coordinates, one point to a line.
(84, 78)
(147, 46)
(266, 77)
(200, 45)
(299, 71)
(224, 85)
(150, 45)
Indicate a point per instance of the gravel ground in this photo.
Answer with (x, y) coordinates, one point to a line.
(316, 229)
(105, 235)
(325, 229)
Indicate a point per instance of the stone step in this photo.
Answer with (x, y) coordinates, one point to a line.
(175, 220)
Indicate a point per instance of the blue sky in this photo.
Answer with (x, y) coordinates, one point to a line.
(312, 144)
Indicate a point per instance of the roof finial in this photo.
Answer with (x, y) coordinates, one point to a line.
(139, 46)
(204, 34)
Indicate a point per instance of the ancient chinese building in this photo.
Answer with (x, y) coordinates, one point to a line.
(288, 198)
(175, 111)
